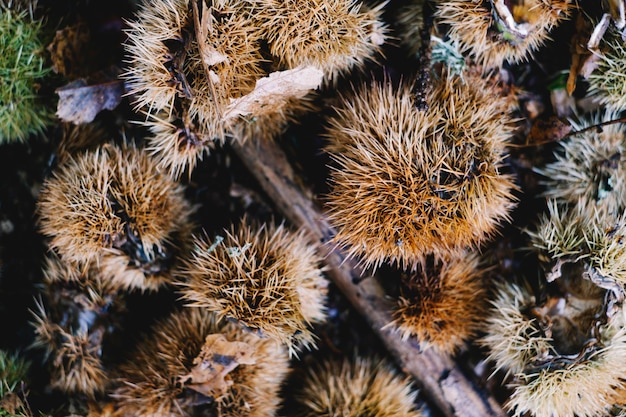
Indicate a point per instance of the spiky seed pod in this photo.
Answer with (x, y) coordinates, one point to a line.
(513, 339)
(82, 307)
(408, 183)
(442, 303)
(607, 83)
(79, 138)
(590, 168)
(410, 20)
(333, 35)
(354, 388)
(553, 377)
(165, 62)
(176, 144)
(114, 205)
(149, 383)
(22, 65)
(267, 278)
(475, 25)
(584, 236)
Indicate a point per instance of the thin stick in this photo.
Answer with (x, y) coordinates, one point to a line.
(440, 378)
(201, 27)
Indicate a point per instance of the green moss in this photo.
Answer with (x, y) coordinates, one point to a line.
(21, 66)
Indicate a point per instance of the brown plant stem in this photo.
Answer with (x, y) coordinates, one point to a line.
(438, 376)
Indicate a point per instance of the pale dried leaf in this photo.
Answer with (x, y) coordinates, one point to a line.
(213, 57)
(80, 102)
(272, 92)
(218, 357)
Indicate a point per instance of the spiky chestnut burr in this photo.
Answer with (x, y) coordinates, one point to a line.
(81, 308)
(333, 35)
(22, 65)
(607, 83)
(484, 33)
(153, 382)
(179, 143)
(267, 278)
(354, 388)
(590, 168)
(584, 237)
(566, 355)
(442, 303)
(410, 20)
(165, 62)
(409, 183)
(114, 206)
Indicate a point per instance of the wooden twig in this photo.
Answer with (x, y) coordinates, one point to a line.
(439, 377)
(202, 26)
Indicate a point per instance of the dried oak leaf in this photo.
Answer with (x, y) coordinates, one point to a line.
(584, 48)
(273, 91)
(81, 100)
(216, 359)
(11, 403)
(547, 130)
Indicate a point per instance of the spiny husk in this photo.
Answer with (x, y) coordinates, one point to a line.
(443, 303)
(584, 235)
(149, 382)
(164, 30)
(409, 183)
(82, 305)
(607, 83)
(113, 205)
(355, 388)
(267, 278)
(410, 21)
(473, 24)
(547, 381)
(333, 35)
(590, 168)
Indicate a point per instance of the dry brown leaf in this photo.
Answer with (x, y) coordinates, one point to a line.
(273, 91)
(217, 358)
(547, 130)
(11, 403)
(81, 100)
(584, 47)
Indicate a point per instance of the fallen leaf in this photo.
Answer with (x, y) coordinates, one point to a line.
(11, 403)
(213, 57)
(547, 130)
(584, 48)
(217, 358)
(272, 92)
(81, 100)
